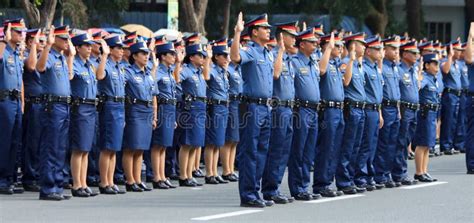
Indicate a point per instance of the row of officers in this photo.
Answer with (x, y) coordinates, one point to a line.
(349, 108)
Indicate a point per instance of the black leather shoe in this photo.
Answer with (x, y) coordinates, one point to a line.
(367, 187)
(66, 196)
(448, 152)
(193, 180)
(455, 151)
(360, 189)
(133, 188)
(80, 192)
(303, 196)
(268, 203)
(31, 187)
(160, 185)
(186, 183)
(390, 184)
(118, 190)
(379, 186)
(470, 172)
(220, 180)
(328, 193)
(174, 177)
(253, 204)
(198, 173)
(315, 196)
(430, 177)
(143, 186)
(211, 180)
(235, 176)
(339, 193)
(423, 178)
(6, 190)
(411, 155)
(91, 192)
(229, 177)
(278, 199)
(51, 197)
(169, 184)
(107, 190)
(348, 190)
(407, 182)
(398, 184)
(67, 186)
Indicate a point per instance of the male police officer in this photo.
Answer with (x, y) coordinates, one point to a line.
(470, 103)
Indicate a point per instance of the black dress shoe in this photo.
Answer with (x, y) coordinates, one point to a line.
(51, 197)
(390, 184)
(174, 177)
(31, 187)
(66, 196)
(80, 192)
(198, 173)
(211, 180)
(186, 183)
(220, 180)
(118, 190)
(315, 196)
(423, 178)
(407, 181)
(398, 184)
(303, 196)
(448, 152)
(470, 172)
(378, 186)
(455, 151)
(169, 184)
(235, 176)
(268, 203)
(360, 189)
(253, 204)
(227, 177)
(67, 186)
(143, 186)
(107, 190)
(160, 185)
(411, 155)
(6, 190)
(339, 193)
(328, 193)
(348, 190)
(430, 177)
(133, 188)
(91, 192)
(278, 199)
(194, 181)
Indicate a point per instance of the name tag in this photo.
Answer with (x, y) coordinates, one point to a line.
(139, 79)
(261, 61)
(11, 60)
(304, 70)
(58, 64)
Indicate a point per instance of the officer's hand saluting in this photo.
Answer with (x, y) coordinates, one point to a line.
(51, 39)
(352, 53)
(332, 42)
(71, 48)
(239, 27)
(8, 33)
(105, 47)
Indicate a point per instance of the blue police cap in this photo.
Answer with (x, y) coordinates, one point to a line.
(114, 41)
(431, 57)
(165, 48)
(139, 46)
(195, 49)
(289, 27)
(15, 24)
(81, 39)
(220, 47)
(259, 21)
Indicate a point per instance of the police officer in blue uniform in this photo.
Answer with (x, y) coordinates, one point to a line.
(193, 78)
(450, 98)
(460, 135)
(111, 92)
(364, 170)
(425, 136)
(35, 42)
(282, 114)
(166, 75)
(140, 115)
(468, 57)
(354, 114)
(56, 69)
(10, 101)
(83, 113)
(257, 65)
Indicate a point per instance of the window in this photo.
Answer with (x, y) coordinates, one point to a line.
(438, 31)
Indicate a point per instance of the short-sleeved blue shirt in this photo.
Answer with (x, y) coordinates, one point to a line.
(284, 87)
(113, 83)
(139, 84)
(218, 84)
(166, 82)
(408, 83)
(84, 82)
(31, 81)
(192, 81)
(307, 77)
(429, 89)
(355, 90)
(235, 79)
(332, 88)
(374, 82)
(55, 79)
(453, 78)
(257, 71)
(12, 69)
(391, 88)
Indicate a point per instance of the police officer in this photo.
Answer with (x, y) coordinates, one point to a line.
(331, 120)
(460, 135)
(354, 114)
(364, 171)
(35, 42)
(111, 91)
(282, 114)
(166, 75)
(425, 136)
(257, 65)
(10, 101)
(192, 77)
(55, 70)
(450, 99)
(83, 113)
(468, 57)
(140, 115)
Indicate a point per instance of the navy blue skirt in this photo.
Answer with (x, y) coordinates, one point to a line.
(232, 131)
(111, 124)
(193, 124)
(163, 134)
(82, 128)
(216, 125)
(138, 127)
(426, 129)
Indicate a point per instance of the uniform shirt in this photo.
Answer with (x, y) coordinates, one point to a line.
(453, 78)
(235, 79)
(317, 54)
(139, 84)
(408, 83)
(125, 63)
(439, 77)
(355, 90)
(307, 77)
(257, 71)
(218, 84)
(94, 60)
(55, 79)
(429, 89)
(374, 82)
(12, 69)
(391, 88)
(192, 81)
(470, 73)
(464, 77)
(284, 87)
(84, 82)
(331, 85)
(166, 84)
(31, 81)
(113, 83)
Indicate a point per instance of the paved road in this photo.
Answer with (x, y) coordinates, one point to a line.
(450, 200)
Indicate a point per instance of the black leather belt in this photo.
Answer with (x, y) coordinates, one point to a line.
(284, 103)
(139, 102)
(235, 97)
(85, 101)
(453, 91)
(465, 91)
(432, 107)
(411, 106)
(33, 99)
(258, 101)
(390, 103)
(218, 102)
(194, 98)
(48, 98)
(333, 104)
(308, 104)
(13, 94)
(167, 101)
(372, 106)
(355, 104)
(105, 98)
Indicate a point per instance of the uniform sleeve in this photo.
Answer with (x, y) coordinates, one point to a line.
(50, 62)
(184, 75)
(246, 56)
(424, 82)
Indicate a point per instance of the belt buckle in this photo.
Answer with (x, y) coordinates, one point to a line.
(331, 103)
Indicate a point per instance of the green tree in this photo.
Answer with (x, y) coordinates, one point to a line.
(76, 11)
(106, 11)
(39, 13)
